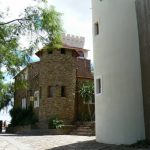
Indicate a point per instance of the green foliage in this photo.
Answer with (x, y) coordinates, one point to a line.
(6, 94)
(87, 91)
(40, 25)
(84, 117)
(44, 26)
(51, 23)
(55, 123)
(21, 117)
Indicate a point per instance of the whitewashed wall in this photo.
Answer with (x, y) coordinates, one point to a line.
(119, 109)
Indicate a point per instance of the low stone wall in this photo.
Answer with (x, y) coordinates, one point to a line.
(18, 129)
(29, 130)
(89, 123)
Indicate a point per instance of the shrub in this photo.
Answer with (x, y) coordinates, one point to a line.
(55, 123)
(87, 93)
(22, 117)
(84, 117)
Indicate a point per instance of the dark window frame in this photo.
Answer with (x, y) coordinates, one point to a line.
(50, 91)
(96, 28)
(98, 86)
(50, 52)
(81, 53)
(63, 51)
(40, 93)
(63, 91)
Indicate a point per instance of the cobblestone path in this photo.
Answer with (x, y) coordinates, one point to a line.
(54, 142)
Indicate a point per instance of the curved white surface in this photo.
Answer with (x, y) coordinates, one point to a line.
(119, 109)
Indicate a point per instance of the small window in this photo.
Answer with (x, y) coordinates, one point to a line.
(81, 54)
(63, 51)
(96, 28)
(63, 91)
(36, 99)
(40, 92)
(24, 103)
(50, 51)
(50, 91)
(98, 86)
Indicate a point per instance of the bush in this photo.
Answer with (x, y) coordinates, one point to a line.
(55, 123)
(21, 117)
(84, 117)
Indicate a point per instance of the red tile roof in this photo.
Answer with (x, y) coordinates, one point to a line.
(75, 49)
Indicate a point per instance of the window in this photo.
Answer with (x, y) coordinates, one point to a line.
(96, 28)
(50, 91)
(63, 91)
(98, 86)
(50, 51)
(36, 99)
(23, 103)
(63, 51)
(81, 54)
(40, 92)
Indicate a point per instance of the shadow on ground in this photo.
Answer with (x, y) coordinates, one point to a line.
(86, 145)
(9, 134)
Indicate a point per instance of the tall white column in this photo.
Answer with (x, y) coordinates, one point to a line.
(119, 103)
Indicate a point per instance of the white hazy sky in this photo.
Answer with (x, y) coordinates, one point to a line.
(77, 20)
(77, 16)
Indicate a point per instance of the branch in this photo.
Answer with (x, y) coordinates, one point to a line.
(21, 19)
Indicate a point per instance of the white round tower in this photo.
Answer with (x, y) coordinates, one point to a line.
(118, 92)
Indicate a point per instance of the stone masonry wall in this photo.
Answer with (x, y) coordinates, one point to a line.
(32, 84)
(57, 70)
(20, 92)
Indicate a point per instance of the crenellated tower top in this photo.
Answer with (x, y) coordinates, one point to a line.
(74, 41)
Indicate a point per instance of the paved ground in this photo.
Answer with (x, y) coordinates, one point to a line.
(53, 142)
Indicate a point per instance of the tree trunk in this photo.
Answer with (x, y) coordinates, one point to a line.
(89, 109)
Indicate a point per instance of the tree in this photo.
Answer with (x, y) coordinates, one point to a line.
(87, 93)
(6, 94)
(40, 25)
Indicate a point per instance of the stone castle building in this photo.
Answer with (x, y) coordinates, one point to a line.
(54, 81)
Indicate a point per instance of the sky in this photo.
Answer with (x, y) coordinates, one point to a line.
(77, 16)
(76, 19)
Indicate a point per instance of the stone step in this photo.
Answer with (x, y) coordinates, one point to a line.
(85, 124)
(84, 130)
(82, 133)
(84, 127)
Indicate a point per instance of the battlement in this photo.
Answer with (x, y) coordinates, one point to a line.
(74, 41)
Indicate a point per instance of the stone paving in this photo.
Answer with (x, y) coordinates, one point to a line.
(54, 142)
